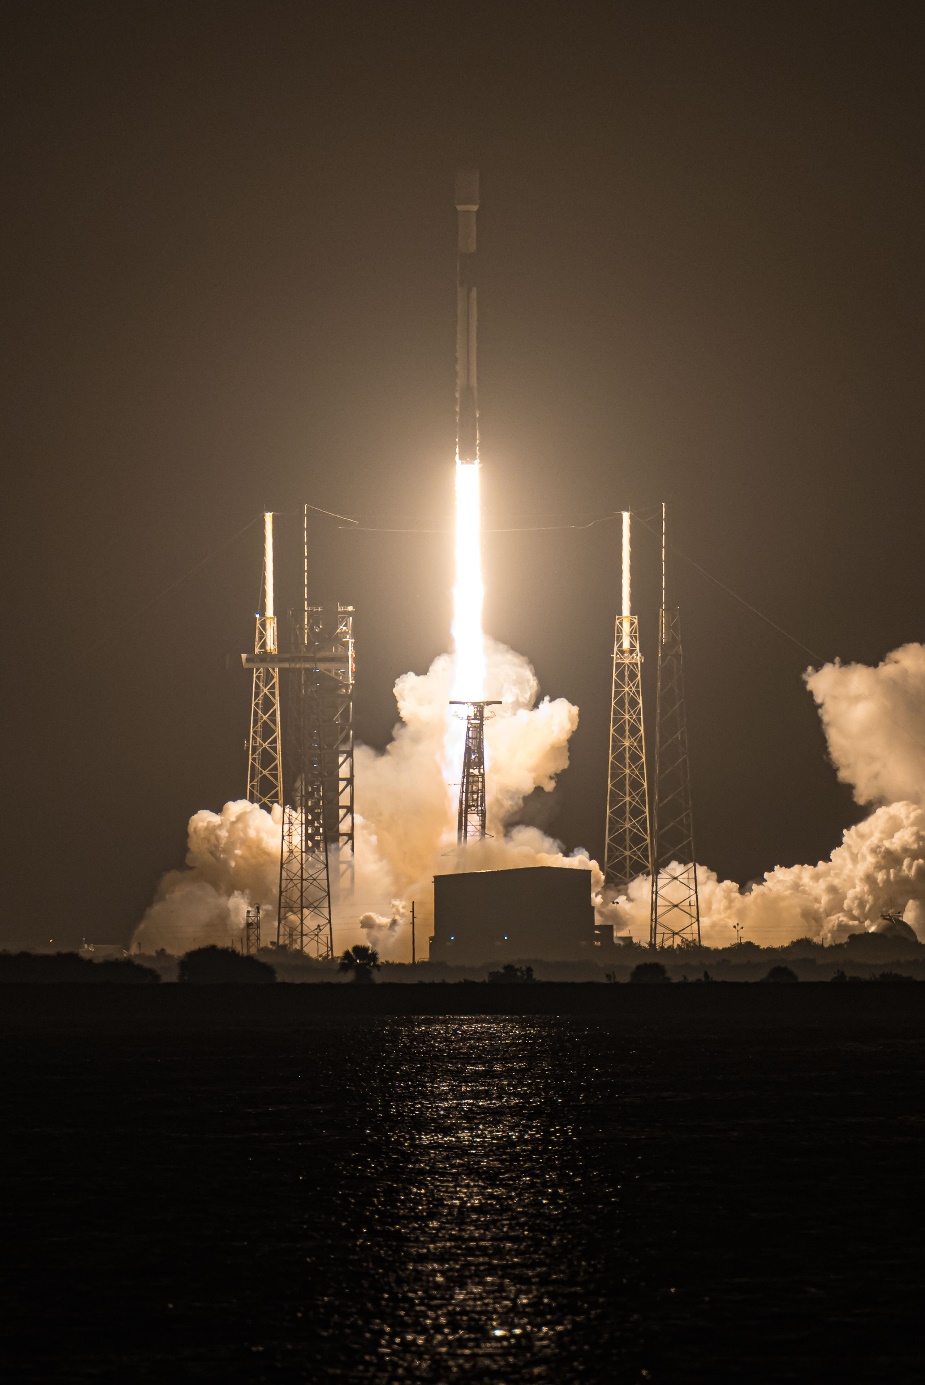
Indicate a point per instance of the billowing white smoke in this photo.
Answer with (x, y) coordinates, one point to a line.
(406, 810)
(405, 823)
(232, 860)
(874, 720)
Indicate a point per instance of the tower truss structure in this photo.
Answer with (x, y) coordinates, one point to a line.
(252, 930)
(628, 843)
(318, 750)
(264, 755)
(304, 921)
(332, 673)
(471, 818)
(675, 903)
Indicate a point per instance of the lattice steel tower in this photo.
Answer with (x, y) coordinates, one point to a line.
(675, 911)
(318, 813)
(304, 917)
(252, 930)
(264, 758)
(470, 824)
(628, 845)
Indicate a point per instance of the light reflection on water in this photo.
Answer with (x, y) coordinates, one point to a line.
(481, 1202)
(523, 1199)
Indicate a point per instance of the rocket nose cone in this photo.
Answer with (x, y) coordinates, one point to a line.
(467, 189)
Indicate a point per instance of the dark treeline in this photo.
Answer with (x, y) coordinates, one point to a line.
(864, 957)
(68, 966)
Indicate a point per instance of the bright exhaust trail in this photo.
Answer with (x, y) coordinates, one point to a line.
(469, 589)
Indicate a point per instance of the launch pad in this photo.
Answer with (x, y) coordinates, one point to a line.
(304, 762)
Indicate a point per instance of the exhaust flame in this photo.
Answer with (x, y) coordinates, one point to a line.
(469, 591)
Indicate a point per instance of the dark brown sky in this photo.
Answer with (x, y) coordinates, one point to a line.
(228, 284)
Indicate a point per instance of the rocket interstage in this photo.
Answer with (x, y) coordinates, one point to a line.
(467, 406)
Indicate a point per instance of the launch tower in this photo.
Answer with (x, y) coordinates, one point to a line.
(675, 909)
(628, 846)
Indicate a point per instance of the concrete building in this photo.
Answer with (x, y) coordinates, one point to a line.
(542, 912)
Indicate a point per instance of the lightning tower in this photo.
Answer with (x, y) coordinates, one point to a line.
(675, 910)
(304, 916)
(628, 844)
(264, 759)
(318, 812)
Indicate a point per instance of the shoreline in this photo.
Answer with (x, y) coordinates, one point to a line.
(60, 1007)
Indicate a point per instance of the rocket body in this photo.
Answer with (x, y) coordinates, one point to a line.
(467, 408)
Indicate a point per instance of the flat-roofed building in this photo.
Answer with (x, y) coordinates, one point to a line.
(542, 912)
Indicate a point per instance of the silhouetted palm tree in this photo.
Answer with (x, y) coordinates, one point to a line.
(361, 960)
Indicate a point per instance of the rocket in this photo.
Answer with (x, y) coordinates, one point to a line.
(467, 407)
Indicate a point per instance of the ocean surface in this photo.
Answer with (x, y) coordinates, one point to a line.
(440, 1199)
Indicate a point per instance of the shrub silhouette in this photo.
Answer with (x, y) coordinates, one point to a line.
(361, 960)
(216, 966)
(68, 966)
(891, 976)
(781, 974)
(510, 973)
(650, 973)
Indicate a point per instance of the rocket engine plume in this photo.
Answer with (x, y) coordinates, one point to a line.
(468, 590)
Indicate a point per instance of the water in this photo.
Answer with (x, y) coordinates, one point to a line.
(462, 1199)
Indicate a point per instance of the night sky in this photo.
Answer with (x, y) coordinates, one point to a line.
(229, 269)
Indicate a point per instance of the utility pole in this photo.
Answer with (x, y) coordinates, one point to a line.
(628, 845)
(413, 953)
(675, 902)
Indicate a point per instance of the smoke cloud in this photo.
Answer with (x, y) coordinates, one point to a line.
(407, 802)
(232, 860)
(874, 721)
(405, 820)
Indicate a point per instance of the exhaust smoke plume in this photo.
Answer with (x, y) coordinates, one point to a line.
(405, 822)
(232, 860)
(874, 720)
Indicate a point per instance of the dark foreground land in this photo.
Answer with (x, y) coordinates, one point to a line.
(668, 1184)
